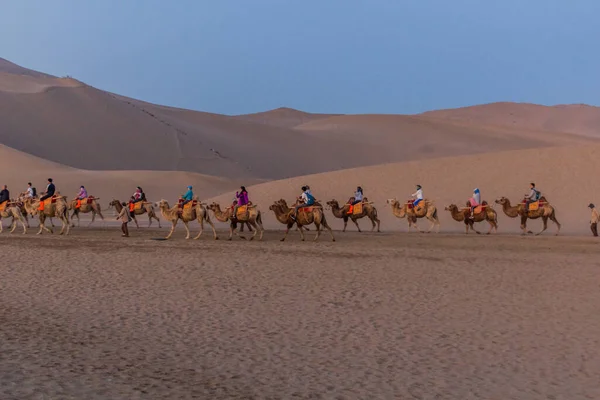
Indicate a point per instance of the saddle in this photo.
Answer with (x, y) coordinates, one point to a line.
(47, 202)
(534, 206)
(355, 209)
(87, 200)
(3, 205)
(411, 204)
(135, 206)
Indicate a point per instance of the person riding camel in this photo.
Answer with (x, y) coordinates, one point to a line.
(307, 200)
(4, 194)
(30, 192)
(358, 196)
(474, 202)
(534, 195)
(50, 190)
(137, 196)
(82, 195)
(418, 195)
(186, 198)
(242, 200)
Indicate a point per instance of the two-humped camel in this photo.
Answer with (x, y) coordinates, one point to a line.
(487, 213)
(305, 216)
(54, 207)
(368, 210)
(87, 205)
(426, 210)
(195, 211)
(252, 216)
(10, 209)
(545, 211)
(144, 208)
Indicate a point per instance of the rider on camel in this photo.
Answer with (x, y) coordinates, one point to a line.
(242, 200)
(307, 200)
(474, 202)
(418, 195)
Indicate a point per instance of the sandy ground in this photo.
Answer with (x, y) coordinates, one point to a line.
(372, 316)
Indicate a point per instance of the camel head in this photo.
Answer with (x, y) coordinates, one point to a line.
(333, 203)
(393, 202)
(451, 207)
(113, 203)
(502, 201)
(163, 204)
(214, 207)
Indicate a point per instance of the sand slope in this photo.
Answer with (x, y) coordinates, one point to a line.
(400, 137)
(575, 118)
(73, 124)
(283, 117)
(560, 173)
(12, 68)
(104, 184)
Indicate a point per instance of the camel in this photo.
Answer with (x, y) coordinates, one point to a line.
(195, 211)
(252, 216)
(58, 209)
(87, 205)
(545, 212)
(429, 211)
(146, 208)
(487, 213)
(305, 216)
(11, 210)
(367, 211)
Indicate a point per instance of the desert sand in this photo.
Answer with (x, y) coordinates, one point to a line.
(371, 316)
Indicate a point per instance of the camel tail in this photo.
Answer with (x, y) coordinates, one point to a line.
(259, 218)
(435, 214)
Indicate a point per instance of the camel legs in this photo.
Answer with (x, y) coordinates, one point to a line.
(75, 214)
(15, 225)
(202, 228)
(345, 223)
(356, 223)
(187, 229)
(553, 219)
(373, 221)
(65, 223)
(43, 225)
(326, 225)
(153, 215)
(174, 223)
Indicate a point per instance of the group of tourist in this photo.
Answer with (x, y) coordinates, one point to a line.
(306, 199)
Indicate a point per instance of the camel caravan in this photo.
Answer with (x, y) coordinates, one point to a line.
(302, 213)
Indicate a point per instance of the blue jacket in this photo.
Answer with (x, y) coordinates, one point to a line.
(189, 195)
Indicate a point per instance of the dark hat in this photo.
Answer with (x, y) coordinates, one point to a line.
(591, 205)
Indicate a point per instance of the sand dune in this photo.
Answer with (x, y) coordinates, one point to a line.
(561, 173)
(12, 68)
(105, 184)
(574, 118)
(73, 124)
(283, 117)
(403, 138)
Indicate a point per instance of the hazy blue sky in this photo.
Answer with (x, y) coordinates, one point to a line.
(347, 56)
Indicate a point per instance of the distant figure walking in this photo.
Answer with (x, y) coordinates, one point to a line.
(594, 219)
(125, 218)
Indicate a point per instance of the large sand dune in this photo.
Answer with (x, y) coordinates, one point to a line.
(68, 122)
(575, 118)
(104, 184)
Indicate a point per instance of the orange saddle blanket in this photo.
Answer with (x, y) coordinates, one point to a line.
(355, 209)
(47, 202)
(135, 206)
